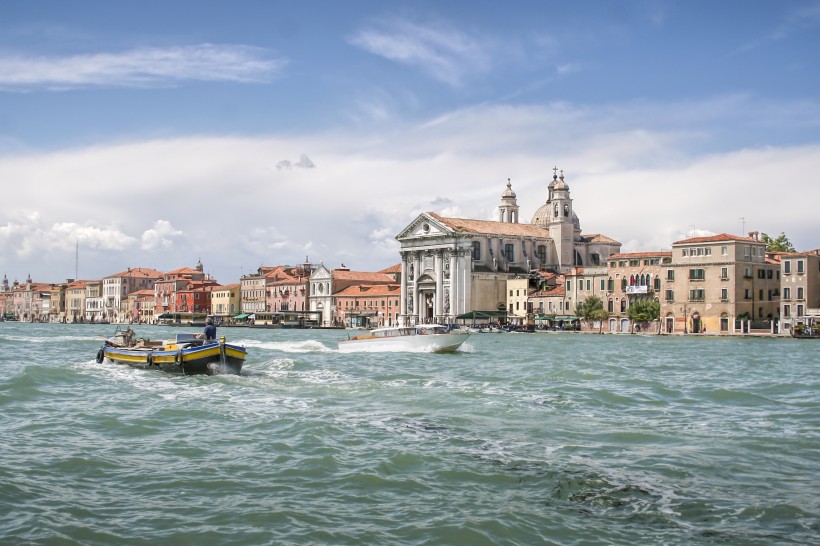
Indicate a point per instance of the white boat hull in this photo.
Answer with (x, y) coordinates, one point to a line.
(427, 343)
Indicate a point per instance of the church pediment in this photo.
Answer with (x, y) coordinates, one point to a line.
(424, 226)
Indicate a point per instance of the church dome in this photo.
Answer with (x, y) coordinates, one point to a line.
(541, 216)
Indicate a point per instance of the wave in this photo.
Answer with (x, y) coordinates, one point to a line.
(305, 346)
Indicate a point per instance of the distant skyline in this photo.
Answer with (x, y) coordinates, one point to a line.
(156, 134)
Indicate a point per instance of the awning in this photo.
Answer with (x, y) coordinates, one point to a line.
(166, 316)
(482, 314)
(242, 316)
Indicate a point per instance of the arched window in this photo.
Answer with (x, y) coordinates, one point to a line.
(610, 306)
(623, 284)
(566, 209)
(476, 251)
(610, 286)
(623, 305)
(657, 284)
(508, 252)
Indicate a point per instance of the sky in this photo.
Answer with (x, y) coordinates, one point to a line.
(247, 133)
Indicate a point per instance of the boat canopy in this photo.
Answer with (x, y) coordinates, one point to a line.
(482, 314)
(241, 316)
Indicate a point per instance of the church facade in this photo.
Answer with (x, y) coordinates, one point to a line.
(456, 266)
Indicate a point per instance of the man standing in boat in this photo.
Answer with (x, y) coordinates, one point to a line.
(210, 331)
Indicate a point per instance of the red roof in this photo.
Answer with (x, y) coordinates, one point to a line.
(365, 276)
(627, 255)
(721, 237)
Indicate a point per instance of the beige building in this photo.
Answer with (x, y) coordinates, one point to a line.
(800, 295)
(633, 276)
(518, 290)
(225, 300)
(723, 283)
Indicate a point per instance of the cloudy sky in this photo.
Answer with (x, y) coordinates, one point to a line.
(155, 133)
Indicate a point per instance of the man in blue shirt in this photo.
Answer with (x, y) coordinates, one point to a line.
(210, 330)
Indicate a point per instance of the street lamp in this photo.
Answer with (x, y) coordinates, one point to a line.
(685, 320)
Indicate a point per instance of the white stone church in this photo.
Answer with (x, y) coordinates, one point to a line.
(454, 266)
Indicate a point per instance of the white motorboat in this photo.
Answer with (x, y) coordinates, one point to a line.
(433, 338)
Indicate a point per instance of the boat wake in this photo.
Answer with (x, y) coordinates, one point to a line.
(306, 346)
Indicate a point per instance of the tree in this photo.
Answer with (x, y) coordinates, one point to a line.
(780, 243)
(600, 315)
(591, 309)
(643, 311)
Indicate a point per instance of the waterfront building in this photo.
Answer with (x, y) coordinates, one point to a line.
(518, 305)
(94, 305)
(75, 301)
(368, 306)
(286, 289)
(225, 301)
(455, 266)
(633, 276)
(548, 301)
(800, 289)
(325, 284)
(252, 292)
(141, 306)
(580, 283)
(722, 283)
(118, 286)
(165, 289)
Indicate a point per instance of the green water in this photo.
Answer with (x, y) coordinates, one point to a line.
(517, 439)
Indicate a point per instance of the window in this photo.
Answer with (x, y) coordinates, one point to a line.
(542, 253)
(670, 295)
(787, 293)
(623, 284)
(581, 285)
(670, 274)
(611, 285)
(657, 285)
(746, 294)
(724, 251)
(747, 273)
(569, 286)
(696, 295)
(697, 274)
(623, 305)
(787, 267)
(589, 284)
(724, 273)
(799, 292)
(476, 251)
(800, 267)
(610, 307)
(603, 285)
(724, 294)
(508, 252)
(787, 311)
(685, 252)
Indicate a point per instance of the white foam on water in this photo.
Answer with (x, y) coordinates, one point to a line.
(305, 346)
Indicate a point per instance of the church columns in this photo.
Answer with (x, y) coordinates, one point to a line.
(455, 287)
(403, 297)
(438, 302)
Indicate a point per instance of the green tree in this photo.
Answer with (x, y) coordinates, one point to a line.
(600, 315)
(644, 311)
(591, 309)
(780, 243)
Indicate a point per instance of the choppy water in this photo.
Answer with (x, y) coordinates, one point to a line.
(518, 439)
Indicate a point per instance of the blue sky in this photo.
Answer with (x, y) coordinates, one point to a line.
(250, 133)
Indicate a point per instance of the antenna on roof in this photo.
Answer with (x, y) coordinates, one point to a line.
(742, 225)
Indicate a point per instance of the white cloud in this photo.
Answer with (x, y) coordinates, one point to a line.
(444, 52)
(643, 185)
(142, 67)
(160, 237)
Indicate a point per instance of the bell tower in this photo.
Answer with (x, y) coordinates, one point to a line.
(561, 222)
(508, 208)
